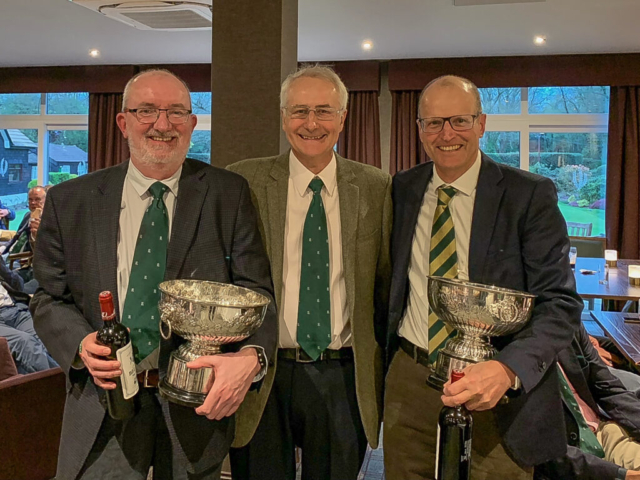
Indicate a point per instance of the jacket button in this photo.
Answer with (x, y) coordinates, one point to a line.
(543, 366)
(573, 436)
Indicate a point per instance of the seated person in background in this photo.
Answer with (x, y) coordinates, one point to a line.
(6, 212)
(21, 240)
(16, 325)
(602, 420)
(612, 358)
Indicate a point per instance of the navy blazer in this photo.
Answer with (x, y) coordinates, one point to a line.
(604, 393)
(518, 241)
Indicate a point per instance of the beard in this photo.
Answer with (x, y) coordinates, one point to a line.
(148, 155)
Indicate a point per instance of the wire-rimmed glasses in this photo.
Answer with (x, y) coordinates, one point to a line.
(176, 116)
(459, 123)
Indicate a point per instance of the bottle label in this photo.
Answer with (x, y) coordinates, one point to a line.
(437, 452)
(128, 377)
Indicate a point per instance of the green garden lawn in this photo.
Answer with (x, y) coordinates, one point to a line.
(584, 215)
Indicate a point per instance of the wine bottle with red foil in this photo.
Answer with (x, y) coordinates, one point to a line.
(453, 447)
(116, 336)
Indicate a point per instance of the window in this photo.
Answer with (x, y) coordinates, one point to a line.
(14, 173)
(43, 140)
(557, 132)
(201, 139)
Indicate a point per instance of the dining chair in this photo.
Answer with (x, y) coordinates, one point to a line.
(579, 229)
(592, 247)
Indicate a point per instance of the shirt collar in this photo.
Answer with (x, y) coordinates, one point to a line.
(302, 176)
(466, 183)
(141, 183)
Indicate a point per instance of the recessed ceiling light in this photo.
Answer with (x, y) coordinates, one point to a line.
(367, 45)
(539, 40)
(94, 52)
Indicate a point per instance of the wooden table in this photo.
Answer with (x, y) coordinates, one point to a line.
(625, 335)
(618, 287)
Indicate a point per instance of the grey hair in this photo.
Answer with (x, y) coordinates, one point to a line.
(152, 71)
(38, 186)
(454, 81)
(315, 71)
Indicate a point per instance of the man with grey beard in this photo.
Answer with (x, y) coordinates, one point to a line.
(98, 233)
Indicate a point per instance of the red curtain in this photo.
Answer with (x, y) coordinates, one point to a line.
(360, 137)
(107, 146)
(623, 172)
(405, 150)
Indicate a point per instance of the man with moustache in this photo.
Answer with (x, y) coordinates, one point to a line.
(326, 223)
(465, 216)
(94, 229)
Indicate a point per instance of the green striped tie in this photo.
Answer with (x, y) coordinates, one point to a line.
(443, 262)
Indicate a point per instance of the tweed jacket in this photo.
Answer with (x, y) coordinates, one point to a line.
(365, 219)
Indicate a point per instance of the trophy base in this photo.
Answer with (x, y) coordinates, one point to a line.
(180, 397)
(183, 385)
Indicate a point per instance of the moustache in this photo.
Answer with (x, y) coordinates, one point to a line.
(155, 133)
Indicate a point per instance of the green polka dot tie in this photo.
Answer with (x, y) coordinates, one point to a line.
(314, 308)
(140, 311)
(588, 441)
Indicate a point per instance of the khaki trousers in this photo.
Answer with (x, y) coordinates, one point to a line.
(618, 447)
(411, 411)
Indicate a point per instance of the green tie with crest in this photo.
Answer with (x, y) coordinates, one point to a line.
(314, 308)
(140, 311)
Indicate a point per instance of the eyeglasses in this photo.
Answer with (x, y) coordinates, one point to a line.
(459, 123)
(176, 116)
(321, 113)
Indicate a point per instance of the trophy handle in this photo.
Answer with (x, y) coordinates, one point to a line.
(162, 334)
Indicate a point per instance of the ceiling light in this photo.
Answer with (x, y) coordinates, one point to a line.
(367, 45)
(94, 52)
(539, 40)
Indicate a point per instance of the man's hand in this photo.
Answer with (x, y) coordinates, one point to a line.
(232, 377)
(604, 355)
(33, 226)
(3, 212)
(101, 369)
(482, 386)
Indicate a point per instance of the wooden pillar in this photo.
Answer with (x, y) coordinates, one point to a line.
(254, 47)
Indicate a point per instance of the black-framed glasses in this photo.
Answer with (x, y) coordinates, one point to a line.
(176, 116)
(459, 123)
(302, 111)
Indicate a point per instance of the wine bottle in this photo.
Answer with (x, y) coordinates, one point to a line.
(116, 336)
(453, 447)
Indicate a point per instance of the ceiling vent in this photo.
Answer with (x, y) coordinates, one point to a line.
(176, 16)
(468, 3)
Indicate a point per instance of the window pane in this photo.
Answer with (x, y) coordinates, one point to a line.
(569, 100)
(18, 161)
(67, 155)
(501, 100)
(503, 147)
(576, 162)
(201, 102)
(200, 146)
(68, 103)
(19, 104)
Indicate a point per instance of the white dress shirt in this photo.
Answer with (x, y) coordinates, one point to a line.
(298, 201)
(415, 323)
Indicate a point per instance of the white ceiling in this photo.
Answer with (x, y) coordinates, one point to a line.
(58, 32)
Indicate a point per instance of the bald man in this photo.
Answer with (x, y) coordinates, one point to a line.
(503, 228)
(88, 242)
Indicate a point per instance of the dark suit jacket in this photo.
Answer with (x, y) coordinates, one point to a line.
(519, 241)
(214, 237)
(604, 393)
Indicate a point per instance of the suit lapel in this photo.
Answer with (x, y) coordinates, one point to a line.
(105, 211)
(191, 194)
(487, 203)
(349, 193)
(277, 191)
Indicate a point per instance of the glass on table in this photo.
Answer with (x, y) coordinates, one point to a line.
(573, 255)
(603, 274)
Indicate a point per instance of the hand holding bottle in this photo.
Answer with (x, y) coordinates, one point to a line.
(94, 357)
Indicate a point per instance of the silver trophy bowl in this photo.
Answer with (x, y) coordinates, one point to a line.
(207, 315)
(476, 312)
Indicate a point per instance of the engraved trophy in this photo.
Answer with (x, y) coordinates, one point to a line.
(207, 315)
(476, 311)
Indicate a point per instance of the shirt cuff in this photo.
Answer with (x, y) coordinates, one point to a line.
(622, 474)
(262, 358)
